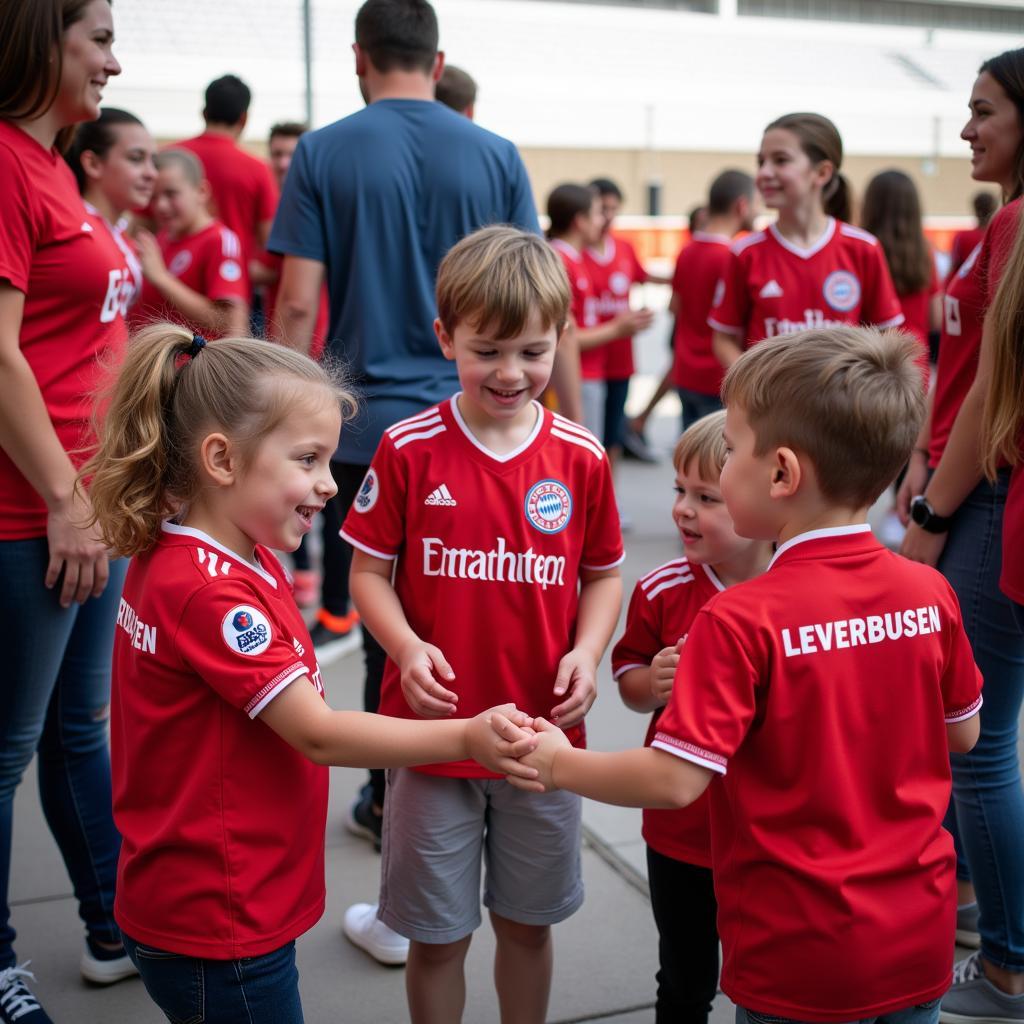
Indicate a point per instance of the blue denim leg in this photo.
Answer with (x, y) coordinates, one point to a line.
(696, 405)
(254, 990)
(925, 1013)
(54, 698)
(987, 782)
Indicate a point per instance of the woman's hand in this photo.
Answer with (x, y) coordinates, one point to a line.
(77, 550)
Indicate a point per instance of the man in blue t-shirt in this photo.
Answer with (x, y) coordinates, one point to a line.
(373, 202)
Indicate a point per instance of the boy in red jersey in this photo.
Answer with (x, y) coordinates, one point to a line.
(663, 607)
(194, 268)
(826, 693)
(496, 521)
(697, 373)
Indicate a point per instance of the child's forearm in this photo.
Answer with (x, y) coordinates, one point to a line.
(192, 305)
(635, 689)
(355, 739)
(642, 777)
(600, 601)
(381, 611)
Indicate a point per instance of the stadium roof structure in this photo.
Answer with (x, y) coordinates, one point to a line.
(572, 75)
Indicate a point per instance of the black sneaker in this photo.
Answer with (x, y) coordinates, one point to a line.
(362, 821)
(16, 1001)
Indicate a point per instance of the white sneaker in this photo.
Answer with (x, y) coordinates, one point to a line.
(107, 970)
(364, 929)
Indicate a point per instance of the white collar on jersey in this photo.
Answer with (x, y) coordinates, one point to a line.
(805, 254)
(208, 541)
(508, 456)
(707, 236)
(828, 531)
(604, 258)
(710, 573)
(563, 246)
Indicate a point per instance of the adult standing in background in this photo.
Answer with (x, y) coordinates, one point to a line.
(61, 278)
(371, 204)
(456, 89)
(244, 193)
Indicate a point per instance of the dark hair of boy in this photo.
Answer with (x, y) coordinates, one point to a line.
(726, 189)
(398, 34)
(456, 89)
(227, 100)
(606, 187)
(565, 203)
(288, 130)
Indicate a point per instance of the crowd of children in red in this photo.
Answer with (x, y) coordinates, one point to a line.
(815, 697)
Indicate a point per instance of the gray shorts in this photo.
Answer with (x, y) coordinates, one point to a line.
(436, 829)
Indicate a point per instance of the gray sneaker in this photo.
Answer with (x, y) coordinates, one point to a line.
(967, 926)
(973, 999)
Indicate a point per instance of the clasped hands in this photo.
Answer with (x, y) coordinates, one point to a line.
(506, 740)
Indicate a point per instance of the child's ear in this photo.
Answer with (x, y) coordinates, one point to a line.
(444, 340)
(787, 474)
(218, 460)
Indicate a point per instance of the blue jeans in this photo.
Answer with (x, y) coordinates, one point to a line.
(987, 798)
(926, 1013)
(697, 405)
(253, 990)
(55, 700)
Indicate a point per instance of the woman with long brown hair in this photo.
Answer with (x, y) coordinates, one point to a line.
(958, 521)
(60, 316)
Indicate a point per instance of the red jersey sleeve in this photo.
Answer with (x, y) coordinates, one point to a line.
(678, 282)
(376, 521)
(225, 276)
(229, 637)
(18, 230)
(730, 306)
(602, 542)
(881, 303)
(995, 249)
(706, 720)
(639, 273)
(961, 681)
(641, 640)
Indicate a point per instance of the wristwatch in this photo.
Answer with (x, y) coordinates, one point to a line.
(926, 517)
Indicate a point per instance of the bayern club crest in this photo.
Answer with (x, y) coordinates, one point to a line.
(549, 506)
(841, 290)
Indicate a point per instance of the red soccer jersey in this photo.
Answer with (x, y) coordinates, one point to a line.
(72, 274)
(772, 287)
(964, 243)
(132, 281)
(209, 262)
(243, 187)
(699, 268)
(612, 274)
(968, 295)
(820, 692)
(584, 305)
(661, 611)
(490, 550)
(222, 821)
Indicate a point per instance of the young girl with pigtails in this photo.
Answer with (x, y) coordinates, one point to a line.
(211, 455)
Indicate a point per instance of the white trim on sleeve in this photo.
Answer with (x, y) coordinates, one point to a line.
(602, 568)
(623, 669)
(894, 321)
(717, 325)
(964, 713)
(274, 687)
(689, 752)
(364, 547)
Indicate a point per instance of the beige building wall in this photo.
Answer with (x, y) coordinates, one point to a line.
(685, 176)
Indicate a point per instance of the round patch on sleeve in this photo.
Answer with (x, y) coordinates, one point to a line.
(230, 271)
(246, 630)
(369, 492)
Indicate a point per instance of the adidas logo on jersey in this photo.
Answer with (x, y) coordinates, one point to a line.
(440, 496)
(772, 290)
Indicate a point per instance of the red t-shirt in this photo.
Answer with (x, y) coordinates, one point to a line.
(772, 287)
(243, 187)
(72, 275)
(964, 243)
(612, 274)
(661, 611)
(820, 692)
(699, 268)
(584, 305)
(209, 262)
(275, 261)
(968, 295)
(489, 552)
(222, 821)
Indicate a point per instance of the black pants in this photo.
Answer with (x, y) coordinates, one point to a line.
(685, 910)
(337, 563)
